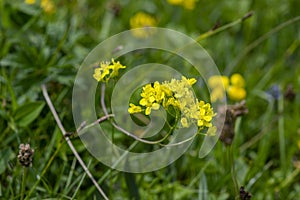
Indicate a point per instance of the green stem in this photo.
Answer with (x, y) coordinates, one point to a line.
(230, 156)
(45, 169)
(23, 182)
(281, 134)
(223, 28)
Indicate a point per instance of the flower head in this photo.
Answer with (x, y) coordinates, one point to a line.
(142, 20)
(107, 70)
(234, 86)
(48, 6)
(177, 94)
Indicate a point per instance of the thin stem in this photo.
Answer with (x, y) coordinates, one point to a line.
(101, 119)
(230, 156)
(281, 134)
(49, 102)
(223, 28)
(23, 182)
(215, 31)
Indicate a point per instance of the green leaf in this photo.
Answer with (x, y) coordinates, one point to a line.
(5, 156)
(202, 190)
(132, 186)
(28, 112)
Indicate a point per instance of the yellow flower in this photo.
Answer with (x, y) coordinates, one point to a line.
(175, 2)
(142, 20)
(187, 4)
(235, 88)
(218, 81)
(184, 122)
(178, 94)
(134, 109)
(237, 80)
(107, 70)
(48, 6)
(218, 84)
(217, 94)
(30, 2)
(236, 93)
(206, 114)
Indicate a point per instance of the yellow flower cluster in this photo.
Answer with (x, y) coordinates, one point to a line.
(142, 20)
(47, 5)
(187, 4)
(107, 70)
(235, 87)
(177, 94)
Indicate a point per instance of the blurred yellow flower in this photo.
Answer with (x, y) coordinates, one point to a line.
(47, 6)
(144, 21)
(30, 2)
(175, 2)
(237, 80)
(218, 81)
(221, 84)
(187, 4)
(236, 93)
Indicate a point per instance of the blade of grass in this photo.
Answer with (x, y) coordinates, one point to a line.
(258, 41)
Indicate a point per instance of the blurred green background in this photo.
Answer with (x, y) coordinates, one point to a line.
(45, 42)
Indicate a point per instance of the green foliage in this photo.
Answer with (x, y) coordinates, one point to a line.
(37, 48)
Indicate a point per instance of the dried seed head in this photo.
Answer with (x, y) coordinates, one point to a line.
(25, 155)
(230, 113)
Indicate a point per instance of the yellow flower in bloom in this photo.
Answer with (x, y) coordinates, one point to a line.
(236, 93)
(184, 122)
(176, 93)
(218, 84)
(218, 81)
(142, 20)
(217, 94)
(187, 4)
(30, 2)
(221, 84)
(206, 114)
(237, 80)
(48, 6)
(134, 109)
(107, 70)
